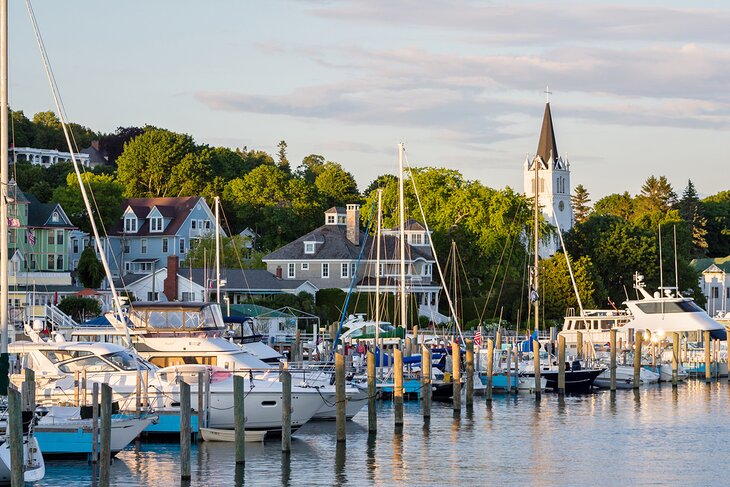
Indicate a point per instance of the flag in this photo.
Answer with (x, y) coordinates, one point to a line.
(533, 294)
(478, 337)
(30, 235)
(13, 223)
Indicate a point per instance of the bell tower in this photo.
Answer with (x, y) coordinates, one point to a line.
(553, 187)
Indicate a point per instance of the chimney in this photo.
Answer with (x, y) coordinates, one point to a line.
(278, 272)
(95, 144)
(169, 287)
(353, 224)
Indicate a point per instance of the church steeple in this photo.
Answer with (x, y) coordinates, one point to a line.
(547, 146)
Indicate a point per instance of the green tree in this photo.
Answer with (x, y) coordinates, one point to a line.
(105, 194)
(234, 253)
(113, 144)
(310, 168)
(337, 186)
(283, 161)
(557, 293)
(716, 209)
(579, 200)
(163, 163)
(690, 210)
(21, 131)
(620, 205)
(80, 309)
(90, 269)
(656, 195)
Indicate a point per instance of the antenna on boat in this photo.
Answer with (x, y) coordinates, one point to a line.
(676, 268)
(661, 272)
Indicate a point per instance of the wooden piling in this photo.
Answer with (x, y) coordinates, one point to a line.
(579, 345)
(414, 342)
(612, 365)
(239, 416)
(708, 363)
(201, 399)
(77, 381)
(469, 373)
(408, 347)
(285, 378)
(509, 370)
(28, 392)
(675, 359)
(184, 430)
(95, 423)
(105, 435)
(638, 342)
(398, 386)
(426, 381)
(456, 374)
(340, 397)
(15, 436)
(372, 412)
(137, 393)
(83, 387)
(561, 364)
(296, 357)
(538, 380)
(146, 389)
(490, 368)
(498, 340)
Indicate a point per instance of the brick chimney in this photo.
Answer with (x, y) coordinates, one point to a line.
(353, 224)
(95, 144)
(170, 284)
(278, 272)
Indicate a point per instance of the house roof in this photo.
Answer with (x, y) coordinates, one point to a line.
(706, 265)
(336, 246)
(246, 279)
(128, 279)
(336, 209)
(16, 194)
(411, 224)
(39, 214)
(546, 147)
(95, 155)
(177, 209)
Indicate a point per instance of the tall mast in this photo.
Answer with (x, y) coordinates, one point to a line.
(217, 252)
(4, 359)
(537, 243)
(403, 310)
(377, 268)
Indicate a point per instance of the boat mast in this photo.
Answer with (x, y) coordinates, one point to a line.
(377, 268)
(403, 310)
(217, 252)
(4, 358)
(537, 240)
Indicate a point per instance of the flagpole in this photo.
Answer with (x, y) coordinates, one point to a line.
(4, 329)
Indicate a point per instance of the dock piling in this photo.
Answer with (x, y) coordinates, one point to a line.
(239, 414)
(398, 386)
(708, 360)
(105, 435)
(372, 412)
(538, 380)
(456, 374)
(638, 342)
(15, 434)
(184, 430)
(340, 397)
(613, 359)
(561, 364)
(490, 368)
(426, 381)
(201, 398)
(675, 359)
(509, 370)
(579, 345)
(28, 391)
(469, 374)
(95, 423)
(285, 378)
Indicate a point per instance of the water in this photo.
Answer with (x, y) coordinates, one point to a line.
(653, 437)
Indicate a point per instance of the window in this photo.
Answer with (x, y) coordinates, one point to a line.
(156, 224)
(341, 219)
(59, 262)
(59, 237)
(152, 296)
(305, 266)
(130, 225)
(127, 266)
(308, 247)
(51, 262)
(55, 217)
(330, 219)
(143, 246)
(353, 266)
(728, 293)
(670, 307)
(715, 292)
(291, 270)
(416, 239)
(380, 270)
(427, 269)
(207, 224)
(345, 270)
(76, 245)
(193, 224)
(165, 245)
(51, 238)
(182, 245)
(325, 270)
(32, 261)
(126, 247)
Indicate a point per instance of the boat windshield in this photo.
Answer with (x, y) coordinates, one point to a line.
(669, 307)
(178, 319)
(123, 360)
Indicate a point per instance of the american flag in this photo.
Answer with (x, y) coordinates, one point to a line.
(13, 222)
(31, 236)
(478, 338)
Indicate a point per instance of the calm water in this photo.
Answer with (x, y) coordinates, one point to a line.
(655, 437)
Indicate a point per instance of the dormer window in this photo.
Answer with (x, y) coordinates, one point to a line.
(308, 247)
(331, 219)
(130, 224)
(416, 239)
(55, 217)
(341, 219)
(156, 224)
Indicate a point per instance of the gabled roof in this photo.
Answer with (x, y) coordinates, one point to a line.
(546, 147)
(95, 155)
(128, 279)
(177, 209)
(708, 264)
(16, 194)
(336, 209)
(39, 214)
(336, 246)
(410, 225)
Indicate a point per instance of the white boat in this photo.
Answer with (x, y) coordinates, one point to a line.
(229, 435)
(34, 467)
(625, 378)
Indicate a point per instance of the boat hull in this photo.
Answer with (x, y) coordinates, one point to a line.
(35, 467)
(576, 381)
(75, 437)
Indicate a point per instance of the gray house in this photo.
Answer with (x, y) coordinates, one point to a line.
(152, 229)
(328, 258)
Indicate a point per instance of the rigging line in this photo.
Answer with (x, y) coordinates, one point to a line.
(504, 278)
(433, 249)
(235, 250)
(352, 280)
(57, 101)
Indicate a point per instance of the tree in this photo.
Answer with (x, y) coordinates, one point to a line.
(283, 161)
(163, 163)
(557, 293)
(716, 209)
(689, 209)
(90, 269)
(656, 195)
(337, 186)
(620, 205)
(310, 168)
(579, 201)
(234, 253)
(105, 194)
(21, 132)
(80, 308)
(113, 144)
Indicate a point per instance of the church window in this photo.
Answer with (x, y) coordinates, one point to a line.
(542, 185)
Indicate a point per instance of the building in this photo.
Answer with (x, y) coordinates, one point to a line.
(553, 187)
(172, 283)
(715, 284)
(38, 239)
(46, 157)
(328, 258)
(95, 155)
(153, 229)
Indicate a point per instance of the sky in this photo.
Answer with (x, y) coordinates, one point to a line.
(638, 89)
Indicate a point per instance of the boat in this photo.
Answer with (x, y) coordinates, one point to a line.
(229, 435)
(625, 377)
(34, 467)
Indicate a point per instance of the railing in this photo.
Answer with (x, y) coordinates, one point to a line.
(58, 318)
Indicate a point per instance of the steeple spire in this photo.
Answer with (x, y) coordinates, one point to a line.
(547, 147)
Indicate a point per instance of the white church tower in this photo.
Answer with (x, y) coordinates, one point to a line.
(553, 185)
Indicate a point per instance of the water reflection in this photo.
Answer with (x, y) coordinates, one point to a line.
(370, 463)
(285, 468)
(340, 457)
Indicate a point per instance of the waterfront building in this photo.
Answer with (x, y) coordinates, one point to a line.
(715, 284)
(553, 187)
(46, 157)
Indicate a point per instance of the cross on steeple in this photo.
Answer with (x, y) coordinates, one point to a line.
(548, 93)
